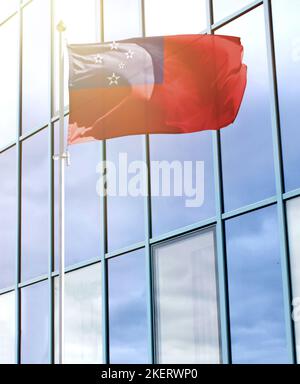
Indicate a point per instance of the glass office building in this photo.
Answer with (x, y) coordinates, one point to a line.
(149, 280)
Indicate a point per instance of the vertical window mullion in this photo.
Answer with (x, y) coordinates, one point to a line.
(279, 177)
(19, 194)
(220, 235)
(103, 213)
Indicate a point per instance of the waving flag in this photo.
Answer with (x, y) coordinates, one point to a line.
(173, 84)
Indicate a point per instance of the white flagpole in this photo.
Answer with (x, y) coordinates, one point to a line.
(61, 205)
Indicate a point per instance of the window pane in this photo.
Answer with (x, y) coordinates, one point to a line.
(187, 323)
(36, 60)
(83, 339)
(172, 212)
(125, 210)
(8, 217)
(7, 328)
(83, 229)
(287, 40)
(35, 205)
(174, 17)
(293, 213)
(35, 324)
(255, 289)
(247, 153)
(122, 19)
(7, 8)
(9, 82)
(127, 309)
(82, 19)
(224, 8)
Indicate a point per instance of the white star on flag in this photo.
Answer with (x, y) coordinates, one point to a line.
(113, 79)
(129, 54)
(114, 46)
(122, 65)
(99, 59)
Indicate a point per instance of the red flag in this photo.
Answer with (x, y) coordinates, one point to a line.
(173, 84)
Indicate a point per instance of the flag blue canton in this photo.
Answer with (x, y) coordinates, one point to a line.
(117, 64)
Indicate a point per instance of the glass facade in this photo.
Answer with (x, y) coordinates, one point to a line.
(293, 211)
(148, 279)
(186, 300)
(83, 339)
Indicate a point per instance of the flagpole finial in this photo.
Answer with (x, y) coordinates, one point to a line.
(61, 27)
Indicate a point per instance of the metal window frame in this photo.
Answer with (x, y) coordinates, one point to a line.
(218, 221)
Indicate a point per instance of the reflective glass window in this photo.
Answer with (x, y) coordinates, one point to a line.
(36, 65)
(287, 44)
(293, 213)
(186, 300)
(127, 309)
(125, 201)
(82, 209)
(83, 337)
(185, 163)
(8, 7)
(8, 217)
(35, 205)
(9, 82)
(224, 8)
(35, 324)
(247, 152)
(255, 289)
(122, 19)
(7, 328)
(174, 17)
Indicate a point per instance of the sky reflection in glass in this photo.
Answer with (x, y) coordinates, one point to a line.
(287, 44)
(36, 65)
(174, 17)
(125, 214)
(35, 324)
(247, 153)
(8, 217)
(127, 309)
(186, 300)
(83, 231)
(7, 328)
(83, 337)
(224, 8)
(293, 213)
(169, 213)
(123, 19)
(9, 82)
(35, 205)
(255, 289)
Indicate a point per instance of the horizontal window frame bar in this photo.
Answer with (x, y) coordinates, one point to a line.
(33, 281)
(241, 12)
(125, 250)
(15, 13)
(291, 194)
(10, 289)
(183, 231)
(202, 225)
(249, 208)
